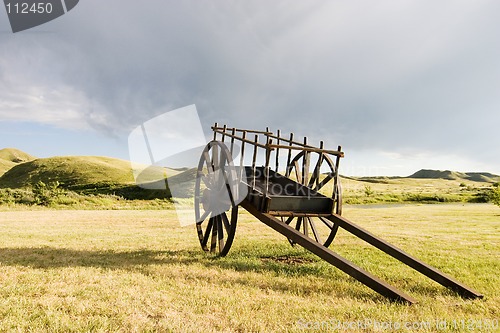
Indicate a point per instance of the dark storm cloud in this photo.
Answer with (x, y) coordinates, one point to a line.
(395, 76)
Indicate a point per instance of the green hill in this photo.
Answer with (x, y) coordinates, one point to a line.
(438, 174)
(88, 174)
(482, 177)
(71, 171)
(454, 175)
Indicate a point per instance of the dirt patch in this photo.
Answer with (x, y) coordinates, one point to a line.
(289, 260)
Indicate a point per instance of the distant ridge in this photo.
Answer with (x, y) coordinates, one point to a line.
(455, 175)
(15, 155)
(10, 157)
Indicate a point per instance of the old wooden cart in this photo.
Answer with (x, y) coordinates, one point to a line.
(291, 200)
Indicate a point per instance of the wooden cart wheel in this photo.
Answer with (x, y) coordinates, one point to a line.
(215, 190)
(318, 228)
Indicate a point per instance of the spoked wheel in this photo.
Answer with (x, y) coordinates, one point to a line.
(215, 192)
(318, 228)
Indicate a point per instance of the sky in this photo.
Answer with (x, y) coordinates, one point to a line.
(401, 85)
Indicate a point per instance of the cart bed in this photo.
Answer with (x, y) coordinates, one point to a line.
(285, 197)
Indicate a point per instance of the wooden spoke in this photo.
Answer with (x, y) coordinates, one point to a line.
(324, 181)
(220, 232)
(213, 242)
(208, 230)
(210, 166)
(206, 181)
(200, 236)
(215, 157)
(326, 222)
(314, 230)
(297, 171)
(299, 223)
(226, 223)
(204, 216)
(229, 188)
(316, 174)
(315, 227)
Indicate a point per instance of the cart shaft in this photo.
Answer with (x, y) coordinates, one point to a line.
(331, 257)
(405, 258)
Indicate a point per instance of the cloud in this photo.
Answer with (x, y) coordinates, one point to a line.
(39, 95)
(388, 76)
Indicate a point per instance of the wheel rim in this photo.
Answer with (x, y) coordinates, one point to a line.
(215, 191)
(317, 228)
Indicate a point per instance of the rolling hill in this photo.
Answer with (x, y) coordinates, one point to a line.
(70, 171)
(15, 155)
(10, 157)
(454, 175)
(89, 174)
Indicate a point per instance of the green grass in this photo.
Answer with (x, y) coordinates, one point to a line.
(22, 199)
(107, 271)
(403, 190)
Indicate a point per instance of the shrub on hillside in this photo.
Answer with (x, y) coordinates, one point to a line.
(368, 190)
(16, 196)
(45, 194)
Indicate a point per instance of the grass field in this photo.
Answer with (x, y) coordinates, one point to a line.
(129, 270)
(357, 191)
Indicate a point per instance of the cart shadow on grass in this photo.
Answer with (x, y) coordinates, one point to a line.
(45, 257)
(280, 267)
